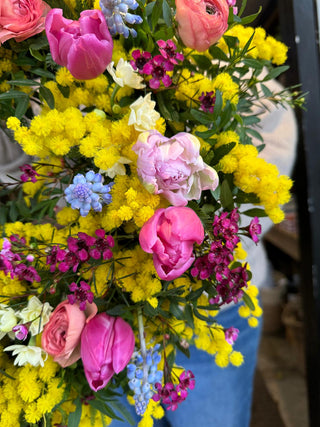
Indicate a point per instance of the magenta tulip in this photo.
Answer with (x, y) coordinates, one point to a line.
(107, 344)
(170, 234)
(84, 46)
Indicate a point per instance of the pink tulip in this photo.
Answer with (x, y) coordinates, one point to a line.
(170, 234)
(21, 19)
(173, 166)
(61, 335)
(107, 344)
(84, 46)
(201, 22)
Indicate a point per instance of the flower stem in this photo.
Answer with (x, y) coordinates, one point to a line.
(142, 345)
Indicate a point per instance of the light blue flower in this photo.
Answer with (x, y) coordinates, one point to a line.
(87, 191)
(116, 14)
(142, 375)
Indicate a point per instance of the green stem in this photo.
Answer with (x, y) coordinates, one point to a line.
(142, 345)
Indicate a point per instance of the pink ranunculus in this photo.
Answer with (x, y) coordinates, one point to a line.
(21, 19)
(170, 234)
(107, 344)
(61, 335)
(201, 23)
(173, 166)
(83, 46)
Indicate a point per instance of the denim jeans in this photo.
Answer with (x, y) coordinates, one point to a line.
(222, 397)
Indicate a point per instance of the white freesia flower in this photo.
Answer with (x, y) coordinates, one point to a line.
(125, 75)
(37, 313)
(143, 115)
(117, 169)
(8, 320)
(27, 354)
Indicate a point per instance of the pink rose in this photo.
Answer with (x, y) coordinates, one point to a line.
(173, 166)
(61, 335)
(170, 234)
(201, 22)
(21, 19)
(107, 344)
(84, 46)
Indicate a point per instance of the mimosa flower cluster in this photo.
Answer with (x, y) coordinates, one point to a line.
(121, 237)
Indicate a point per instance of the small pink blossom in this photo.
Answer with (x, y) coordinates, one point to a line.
(80, 294)
(255, 229)
(21, 332)
(231, 335)
(157, 67)
(169, 51)
(28, 173)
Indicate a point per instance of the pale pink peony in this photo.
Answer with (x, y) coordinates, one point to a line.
(173, 166)
(61, 335)
(83, 46)
(21, 19)
(170, 234)
(107, 344)
(201, 22)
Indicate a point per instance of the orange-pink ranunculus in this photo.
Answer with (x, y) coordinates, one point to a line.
(21, 19)
(201, 22)
(61, 335)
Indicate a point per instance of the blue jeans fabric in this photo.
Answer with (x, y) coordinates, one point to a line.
(222, 397)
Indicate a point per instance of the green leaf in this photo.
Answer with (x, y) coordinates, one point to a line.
(267, 92)
(275, 72)
(188, 315)
(226, 197)
(247, 300)
(37, 55)
(217, 53)
(202, 61)
(254, 133)
(3, 214)
(117, 310)
(39, 43)
(47, 96)
(24, 83)
(123, 411)
(176, 311)
(74, 417)
(22, 106)
(12, 94)
(13, 212)
(222, 151)
(201, 117)
(250, 18)
(6, 375)
(231, 41)
(156, 13)
(217, 105)
(104, 409)
(255, 212)
(43, 73)
(167, 15)
(243, 197)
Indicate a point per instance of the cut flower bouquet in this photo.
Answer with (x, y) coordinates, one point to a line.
(121, 238)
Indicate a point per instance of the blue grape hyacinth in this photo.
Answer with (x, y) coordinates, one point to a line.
(142, 375)
(87, 191)
(116, 14)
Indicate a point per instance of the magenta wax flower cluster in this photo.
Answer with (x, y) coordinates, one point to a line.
(171, 394)
(157, 66)
(217, 262)
(15, 263)
(28, 173)
(80, 250)
(207, 102)
(84, 46)
(80, 294)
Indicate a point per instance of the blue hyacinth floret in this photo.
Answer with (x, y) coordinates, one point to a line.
(116, 14)
(142, 377)
(87, 191)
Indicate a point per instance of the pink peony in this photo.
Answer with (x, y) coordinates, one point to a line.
(201, 22)
(170, 234)
(107, 344)
(61, 335)
(84, 46)
(173, 167)
(21, 19)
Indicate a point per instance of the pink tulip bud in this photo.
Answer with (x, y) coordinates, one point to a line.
(107, 344)
(84, 46)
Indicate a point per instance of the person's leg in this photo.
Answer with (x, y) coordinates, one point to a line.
(222, 396)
